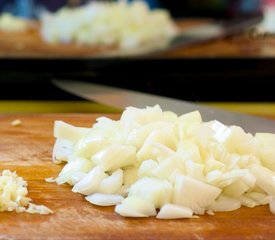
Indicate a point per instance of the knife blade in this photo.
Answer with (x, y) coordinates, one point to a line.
(122, 98)
(212, 30)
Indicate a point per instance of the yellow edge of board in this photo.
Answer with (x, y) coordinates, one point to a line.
(11, 106)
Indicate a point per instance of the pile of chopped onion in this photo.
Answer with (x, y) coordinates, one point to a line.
(13, 195)
(127, 25)
(10, 23)
(155, 163)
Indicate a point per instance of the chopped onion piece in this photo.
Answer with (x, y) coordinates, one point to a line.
(225, 204)
(91, 182)
(102, 199)
(194, 194)
(10, 23)
(112, 184)
(172, 211)
(69, 132)
(50, 180)
(135, 207)
(272, 204)
(16, 122)
(62, 150)
(40, 209)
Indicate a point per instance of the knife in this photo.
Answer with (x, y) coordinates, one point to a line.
(122, 98)
(212, 30)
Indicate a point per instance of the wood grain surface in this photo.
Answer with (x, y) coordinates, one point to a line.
(27, 149)
(241, 45)
(30, 44)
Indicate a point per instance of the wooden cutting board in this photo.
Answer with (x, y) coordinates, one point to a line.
(29, 44)
(27, 149)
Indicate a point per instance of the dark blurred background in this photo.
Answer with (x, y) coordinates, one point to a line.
(208, 77)
(178, 8)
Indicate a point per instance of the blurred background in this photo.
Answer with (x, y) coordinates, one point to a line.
(178, 8)
(237, 68)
